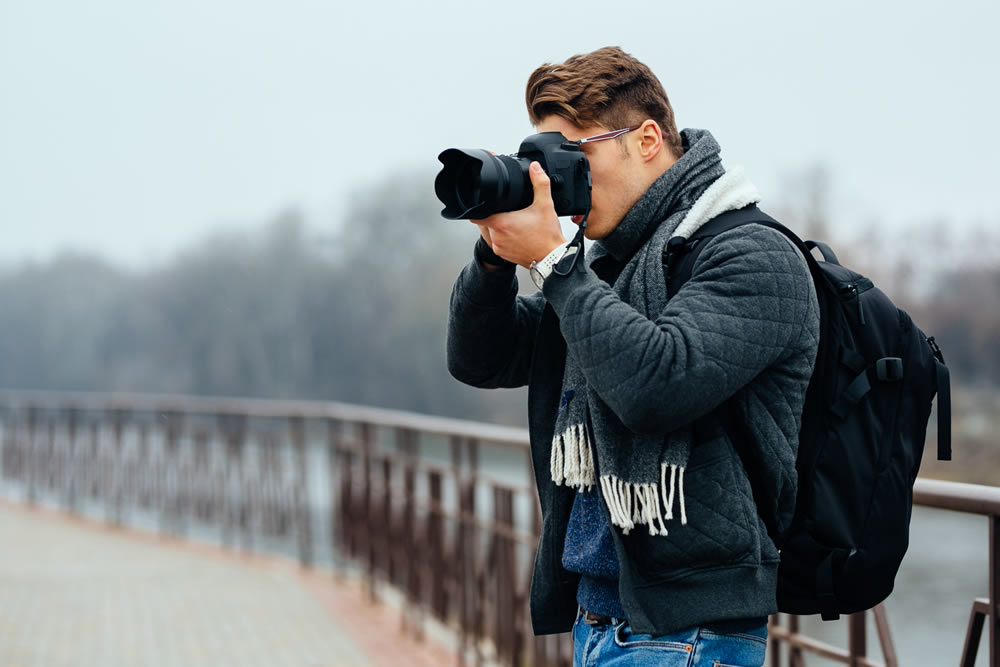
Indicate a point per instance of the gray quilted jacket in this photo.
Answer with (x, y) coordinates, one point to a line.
(744, 327)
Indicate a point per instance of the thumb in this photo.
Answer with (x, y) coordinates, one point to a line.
(541, 184)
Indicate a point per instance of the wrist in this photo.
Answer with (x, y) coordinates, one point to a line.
(540, 270)
(488, 259)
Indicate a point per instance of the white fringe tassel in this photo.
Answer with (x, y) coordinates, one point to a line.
(572, 464)
(637, 504)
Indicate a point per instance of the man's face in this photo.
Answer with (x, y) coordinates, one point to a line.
(618, 179)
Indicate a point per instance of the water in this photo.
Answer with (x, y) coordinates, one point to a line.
(945, 569)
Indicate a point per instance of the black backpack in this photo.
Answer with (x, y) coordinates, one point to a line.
(862, 436)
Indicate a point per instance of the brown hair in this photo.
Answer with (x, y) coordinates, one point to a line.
(606, 87)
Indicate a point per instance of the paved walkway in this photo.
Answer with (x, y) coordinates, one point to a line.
(75, 592)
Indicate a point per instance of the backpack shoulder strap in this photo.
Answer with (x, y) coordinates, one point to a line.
(680, 254)
(679, 257)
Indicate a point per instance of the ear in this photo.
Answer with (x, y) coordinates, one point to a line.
(650, 140)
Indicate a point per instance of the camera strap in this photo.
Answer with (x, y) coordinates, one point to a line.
(573, 251)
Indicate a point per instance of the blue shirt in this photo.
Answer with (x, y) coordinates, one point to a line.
(590, 550)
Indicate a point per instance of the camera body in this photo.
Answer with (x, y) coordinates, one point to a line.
(474, 184)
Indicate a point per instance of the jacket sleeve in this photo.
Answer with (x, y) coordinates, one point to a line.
(491, 330)
(745, 306)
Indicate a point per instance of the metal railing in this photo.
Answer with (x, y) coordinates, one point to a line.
(440, 513)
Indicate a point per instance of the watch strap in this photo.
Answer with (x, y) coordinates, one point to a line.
(542, 269)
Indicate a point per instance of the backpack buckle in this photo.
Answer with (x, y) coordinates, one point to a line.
(936, 349)
(677, 245)
(889, 369)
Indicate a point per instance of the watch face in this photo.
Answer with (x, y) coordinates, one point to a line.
(536, 275)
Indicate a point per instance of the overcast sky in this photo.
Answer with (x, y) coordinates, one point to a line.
(132, 128)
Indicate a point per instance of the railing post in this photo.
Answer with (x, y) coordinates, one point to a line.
(347, 509)
(411, 560)
(234, 430)
(857, 638)
(333, 461)
(994, 552)
(539, 644)
(387, 549)
(885, 636)
(503, 576)
(435, 544)
(50, 457)
(169, 503)
(773, 646)
(367, 514)
(478, 565)
(458, 551)
(201, 471)
(279, 488)
(7, 454)
(94, 460)
(72, 479)
(31, 457)
(303, 515)
(116, 470)
(467, 549)
(99, 450)
(795, 656)
(147, 474)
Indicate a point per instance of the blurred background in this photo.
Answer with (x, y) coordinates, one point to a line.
(235, 198)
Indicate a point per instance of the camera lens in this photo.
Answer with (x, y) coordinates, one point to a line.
(475, 184)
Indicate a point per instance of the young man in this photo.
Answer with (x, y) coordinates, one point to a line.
(653, 547)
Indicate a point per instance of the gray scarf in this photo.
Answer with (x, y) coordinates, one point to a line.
(642, 476)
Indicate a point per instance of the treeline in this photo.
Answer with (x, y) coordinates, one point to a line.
(354, 314)
(357, 314)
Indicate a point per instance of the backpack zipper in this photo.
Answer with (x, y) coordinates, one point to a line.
(854, 290)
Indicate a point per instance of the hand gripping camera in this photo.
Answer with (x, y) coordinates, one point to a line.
(474, 184)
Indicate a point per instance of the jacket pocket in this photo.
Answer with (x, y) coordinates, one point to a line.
(722, 525)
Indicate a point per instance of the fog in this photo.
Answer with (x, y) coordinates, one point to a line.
(134, 129)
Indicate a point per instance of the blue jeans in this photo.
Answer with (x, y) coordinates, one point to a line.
(616, 645)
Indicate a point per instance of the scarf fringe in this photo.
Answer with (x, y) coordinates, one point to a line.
(572, 462)
(630, 505)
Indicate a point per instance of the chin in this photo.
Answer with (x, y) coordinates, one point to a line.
(595, 232)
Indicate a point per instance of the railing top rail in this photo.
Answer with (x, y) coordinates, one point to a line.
(954, 496)
(957, 497)
(268, 409)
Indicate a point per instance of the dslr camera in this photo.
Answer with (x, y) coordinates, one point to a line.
(474, 184)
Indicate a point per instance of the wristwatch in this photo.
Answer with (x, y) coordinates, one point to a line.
(540, 270)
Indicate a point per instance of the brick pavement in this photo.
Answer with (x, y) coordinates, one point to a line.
(74, 592)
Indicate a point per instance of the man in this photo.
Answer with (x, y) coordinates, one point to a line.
(653, 548)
